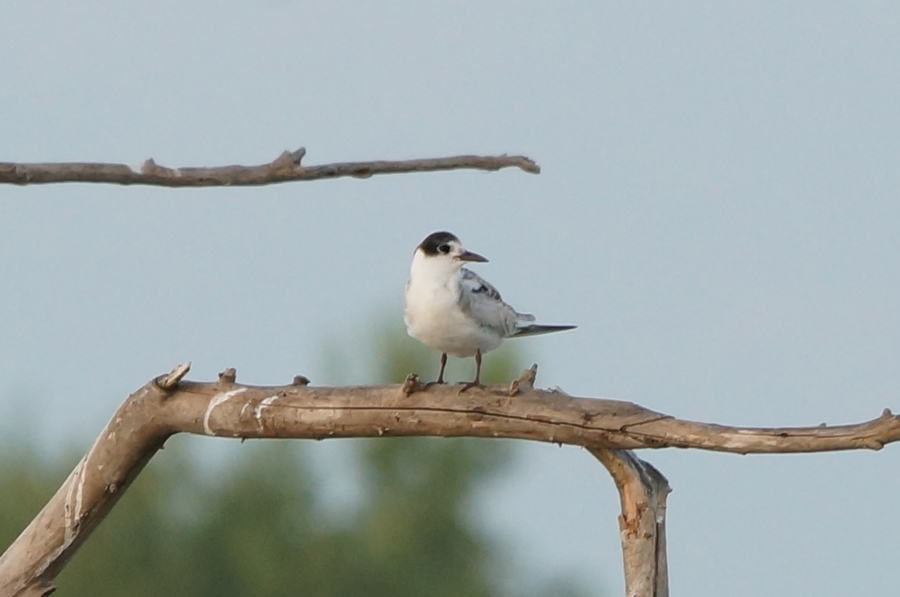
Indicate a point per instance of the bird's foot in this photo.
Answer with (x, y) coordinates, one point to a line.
(471, 384)
(439, 382)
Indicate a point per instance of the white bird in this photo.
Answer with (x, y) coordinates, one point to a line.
(454, 311)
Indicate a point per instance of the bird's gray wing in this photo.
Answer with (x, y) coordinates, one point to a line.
(483, 302)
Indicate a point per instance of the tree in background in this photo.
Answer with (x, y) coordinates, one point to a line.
(262, 525)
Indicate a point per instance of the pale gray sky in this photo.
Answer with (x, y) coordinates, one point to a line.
(718, 211)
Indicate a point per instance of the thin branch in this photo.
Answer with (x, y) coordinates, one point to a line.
(642, 524)
(158, 410)
(285, 168)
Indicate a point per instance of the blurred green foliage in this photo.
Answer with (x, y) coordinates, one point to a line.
(260, 524)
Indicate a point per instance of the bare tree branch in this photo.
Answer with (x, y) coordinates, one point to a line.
(642, 524)
(285, 168)
(166, 406)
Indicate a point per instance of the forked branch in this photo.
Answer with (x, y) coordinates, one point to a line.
(167, 405)
(285, 168)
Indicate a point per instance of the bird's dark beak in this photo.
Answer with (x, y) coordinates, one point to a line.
(470, 256)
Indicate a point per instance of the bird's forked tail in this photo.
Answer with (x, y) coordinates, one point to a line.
(534, 329)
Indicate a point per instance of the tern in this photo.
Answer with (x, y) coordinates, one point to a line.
(453, 310)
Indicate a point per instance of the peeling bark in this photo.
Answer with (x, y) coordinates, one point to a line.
(642, 523)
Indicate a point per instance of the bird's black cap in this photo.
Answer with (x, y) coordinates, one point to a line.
(434, 240)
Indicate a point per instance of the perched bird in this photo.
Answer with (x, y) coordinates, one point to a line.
(453, 310)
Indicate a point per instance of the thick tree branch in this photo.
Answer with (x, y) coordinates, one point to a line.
(285, 168)
(166, 406)
(642, 524)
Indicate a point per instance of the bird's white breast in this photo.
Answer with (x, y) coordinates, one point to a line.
(433, 314)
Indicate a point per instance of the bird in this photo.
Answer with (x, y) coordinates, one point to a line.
(453, 310)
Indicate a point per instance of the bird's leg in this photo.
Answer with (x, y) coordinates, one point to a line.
(440, 380)
(476, 383)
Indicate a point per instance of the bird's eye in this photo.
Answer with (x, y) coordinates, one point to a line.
(444, 248)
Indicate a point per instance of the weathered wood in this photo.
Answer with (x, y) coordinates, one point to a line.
(166, 406)
(642, 523)
(285, 168)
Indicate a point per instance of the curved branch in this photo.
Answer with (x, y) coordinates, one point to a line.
(285, 168)
(166, 406)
